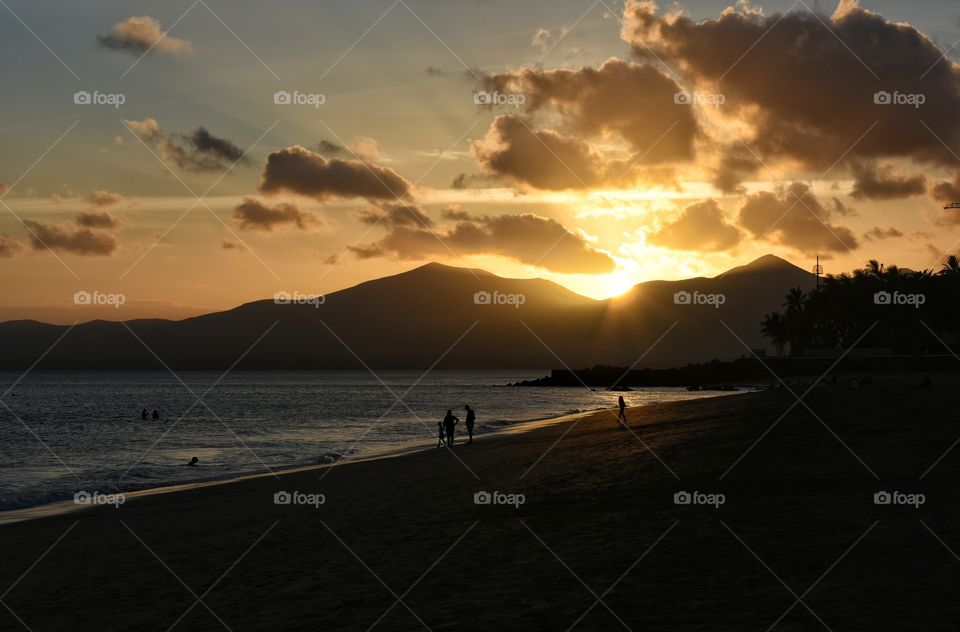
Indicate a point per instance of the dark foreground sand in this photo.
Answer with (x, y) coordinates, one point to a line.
(599, 521)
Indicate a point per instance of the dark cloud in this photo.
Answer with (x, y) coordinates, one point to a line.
(947, 191)
(700, 227)
(527, 238)
(794, 217)
(103, 198)
(736, 164)
(299, 170)
(253, 214)
(884, 183)
(876, 233)
(101, 219)
(331, 149)
(139, 34)
(543, 159)
(633, 101)
(67, 238)
(231, 245)
(805, 83)
(396, 215)
(198, 151)
(9, 247)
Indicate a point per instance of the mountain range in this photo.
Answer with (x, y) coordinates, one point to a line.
(434, 315)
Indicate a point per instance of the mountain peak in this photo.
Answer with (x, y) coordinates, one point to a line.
(766, 262)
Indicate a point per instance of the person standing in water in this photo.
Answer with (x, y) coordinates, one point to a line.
(471, 419)
(143, 414)
(622, 417)
(449, 423)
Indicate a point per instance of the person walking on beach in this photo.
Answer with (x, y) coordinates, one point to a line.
(156, 414)
(622, 417)
(143, 414)
(440, 434)
(471, 419)
(449, 424)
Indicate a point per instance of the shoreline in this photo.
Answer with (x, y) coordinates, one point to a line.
(65, 507)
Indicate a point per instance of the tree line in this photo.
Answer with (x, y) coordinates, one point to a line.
(902, 310)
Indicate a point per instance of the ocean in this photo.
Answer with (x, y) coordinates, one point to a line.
(61, 433)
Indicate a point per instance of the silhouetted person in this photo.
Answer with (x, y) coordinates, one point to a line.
(622, 417)
(926, 383)
(156, 414)
(144, 414)
(449, 424)
(440, 434)
(194, 462)
(471, 419)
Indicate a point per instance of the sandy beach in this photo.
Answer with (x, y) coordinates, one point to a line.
(598, 542)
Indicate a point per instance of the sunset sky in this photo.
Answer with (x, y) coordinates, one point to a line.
(629, 142)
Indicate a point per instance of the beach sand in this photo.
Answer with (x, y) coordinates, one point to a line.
(598, 544)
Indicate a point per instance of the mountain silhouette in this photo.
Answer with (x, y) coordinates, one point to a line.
(434, 315)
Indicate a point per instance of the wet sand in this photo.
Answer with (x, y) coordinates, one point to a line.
(399, 543)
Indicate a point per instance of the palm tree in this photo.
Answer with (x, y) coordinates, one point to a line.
(795, 320)
(951, 267)
(773, 328)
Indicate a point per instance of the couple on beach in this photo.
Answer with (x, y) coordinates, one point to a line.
(447, 427)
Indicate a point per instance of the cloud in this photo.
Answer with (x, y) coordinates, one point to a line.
(138, 34)
(101, 198)
(299, 170)
(543, 159)
(198, 151)
(876, 233)
(101, 219)
(634, 102)
(396, 215)
(68, 238)
(542, 39)
(9, 247)
(884, 183)
(947, 191)
(331, 149)
(804, 85)
(794, 217)
(253, 214)
(736, 163)
(700, 227)
(528, 238)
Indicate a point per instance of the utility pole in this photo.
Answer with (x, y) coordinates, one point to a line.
(817, 271)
